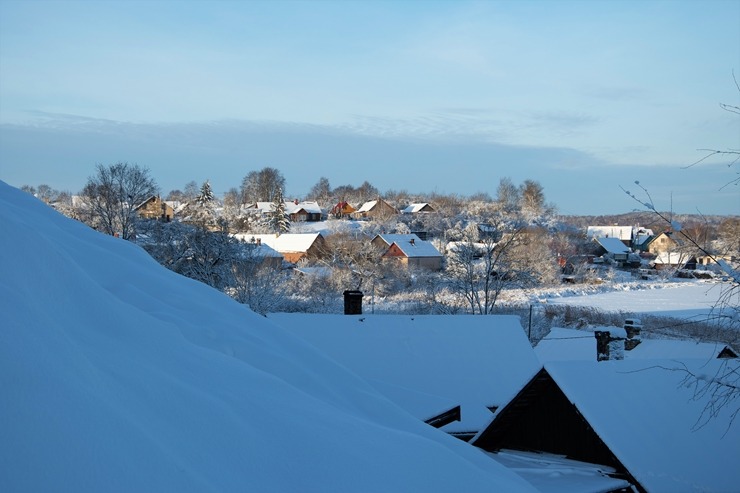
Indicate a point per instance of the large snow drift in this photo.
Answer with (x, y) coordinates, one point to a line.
(118, 375)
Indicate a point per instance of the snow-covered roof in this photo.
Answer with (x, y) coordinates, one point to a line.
(261, 250)
(613, 245)
(367, 206)
(552, 473)
(290, 207)
(310, 207)
(411, 245)
(671, 258)
(618, 232)
(650, 417)
(427, 364)
(414, 208)
(107, 384)
(284, 243)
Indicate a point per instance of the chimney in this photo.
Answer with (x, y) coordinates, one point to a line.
(412, 241)
(609, 344)
(352, 302)
(632, 327)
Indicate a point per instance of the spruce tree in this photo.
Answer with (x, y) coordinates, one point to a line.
(279, 221)
(206, 193)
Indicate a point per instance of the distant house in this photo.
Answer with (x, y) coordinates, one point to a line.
(410, 250)
(295, 210)
(673, 260)
(421, 208)
(155, 208)
(292, 246)
(637, 416)
(303, 211)
(377, 209)
(622, 233)
(614, 248)
(342, 209)
(255, 249)
(663, 242)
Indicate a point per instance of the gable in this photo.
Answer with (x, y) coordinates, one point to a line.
(541, 418)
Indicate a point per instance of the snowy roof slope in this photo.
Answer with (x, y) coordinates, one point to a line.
(613, 245)
(284, 243)
(413, 208)
(119, 375)
(647, 416)
(367, 206)
(465, 360)
(419, 248)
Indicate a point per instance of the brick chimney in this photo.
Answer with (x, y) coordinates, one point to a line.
(609, 343)
(353, 302)
(633, 327)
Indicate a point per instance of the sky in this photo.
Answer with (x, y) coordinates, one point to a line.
(417, 96)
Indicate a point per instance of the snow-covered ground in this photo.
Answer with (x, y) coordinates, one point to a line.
(679, 299)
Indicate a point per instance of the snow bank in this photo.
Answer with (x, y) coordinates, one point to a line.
(118, 375)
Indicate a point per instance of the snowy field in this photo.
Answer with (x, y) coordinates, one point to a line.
(685, 300)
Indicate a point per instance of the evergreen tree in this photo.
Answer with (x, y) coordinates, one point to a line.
(206, 194)
(278, 219)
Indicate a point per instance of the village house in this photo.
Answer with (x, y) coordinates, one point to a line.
(409, 250)
(155, 208)
(663, 242)
(266, 255)
(295, 210)
(342, 209)
(292, 246)
(303, 211)
(421, 208)
(630, 415)
(375, 209)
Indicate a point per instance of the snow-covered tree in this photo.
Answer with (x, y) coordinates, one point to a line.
(112, 195)
(205, 195)
(277, 218)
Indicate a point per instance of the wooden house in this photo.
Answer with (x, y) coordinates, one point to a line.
(640, 417)
(155, 208)
(409, 251)
(292, 246)
(375, 209)
(342, 209)
(663, 242)
(421, 208)
(303, 211)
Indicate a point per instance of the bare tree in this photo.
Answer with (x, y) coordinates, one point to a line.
(723, 387)
(262, 186)
(321, 192)
(112, 195)
(481, 266)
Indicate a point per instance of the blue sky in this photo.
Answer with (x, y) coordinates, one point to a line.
(422, 96)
